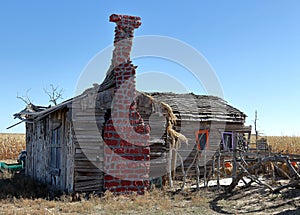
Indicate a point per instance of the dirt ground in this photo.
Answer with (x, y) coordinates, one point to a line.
(256, 200)
(20, 195)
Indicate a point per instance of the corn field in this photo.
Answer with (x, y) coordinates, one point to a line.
(283, 144)
(11, 145)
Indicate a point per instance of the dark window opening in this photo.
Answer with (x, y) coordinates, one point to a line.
(55, 148)
(202, 139)
(227, 141)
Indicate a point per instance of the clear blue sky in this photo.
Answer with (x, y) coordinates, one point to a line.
(253, 46)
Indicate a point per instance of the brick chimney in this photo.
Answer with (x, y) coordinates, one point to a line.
(127, 152)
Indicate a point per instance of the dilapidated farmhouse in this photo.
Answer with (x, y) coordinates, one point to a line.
(112, 137)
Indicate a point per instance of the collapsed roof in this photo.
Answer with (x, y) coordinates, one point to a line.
(188, 106)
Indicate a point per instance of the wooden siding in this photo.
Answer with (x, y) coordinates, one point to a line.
(193, 113)
(88, 116)
(38, 146)
(81, 142)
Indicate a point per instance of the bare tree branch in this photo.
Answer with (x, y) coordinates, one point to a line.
(54, 94)
(25, 98)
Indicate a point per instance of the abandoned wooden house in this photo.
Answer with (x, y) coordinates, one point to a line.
(112, 137)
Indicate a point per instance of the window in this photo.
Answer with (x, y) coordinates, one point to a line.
(202, 139)
(55, 148)
(227, 141)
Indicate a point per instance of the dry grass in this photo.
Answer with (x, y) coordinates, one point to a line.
(20, 195)
(284, 144)
(11, 145)
(151, 203)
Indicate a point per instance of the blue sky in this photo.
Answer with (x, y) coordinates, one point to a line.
(252, 45)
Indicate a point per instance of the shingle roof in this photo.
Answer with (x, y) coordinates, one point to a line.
(200, 107)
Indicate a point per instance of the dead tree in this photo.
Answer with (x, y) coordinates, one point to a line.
(54, 94)
(25, 98)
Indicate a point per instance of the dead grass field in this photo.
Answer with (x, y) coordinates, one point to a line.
(20, 195)
(283, 144)
(11, 145)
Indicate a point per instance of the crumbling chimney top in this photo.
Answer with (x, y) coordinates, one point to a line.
(133, 21)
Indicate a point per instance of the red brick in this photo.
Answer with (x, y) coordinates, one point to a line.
(108, 178)
(119, 83)
(134, 151)
(121, 175)
(124, 143)
(119, 150)
(139, 158)
(115, 158)
(147, 129)
(120, 96)
(112, 142)
(111, 184)
(121, 114)
(128, 157)
(126, 101)
(121, 166)
(117, 136)
(132, 165)
(126, 183)
(113, 171)
(140, 129)
(121, 190)
(120, 59)
(146, 150)
(107, 135)
(138, 183)
(132, 176)
(134, 189)
(142, 171)
(109, 128)
(128, 171)
(145, 176)
(108, 151)
(145, 164)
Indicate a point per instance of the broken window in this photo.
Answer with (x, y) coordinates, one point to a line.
(55, 148)
(227, 141)
(202, 139)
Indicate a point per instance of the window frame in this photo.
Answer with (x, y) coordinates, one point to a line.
(201, 132)
(55, 149)
(225, 146)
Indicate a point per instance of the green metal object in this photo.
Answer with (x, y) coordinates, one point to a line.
(12, 167)
(156, 181)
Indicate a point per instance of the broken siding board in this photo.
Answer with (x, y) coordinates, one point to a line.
(84, 170)
(86, 163)
(96, 189)
(95, 182)
(70, 157)
(84, 177)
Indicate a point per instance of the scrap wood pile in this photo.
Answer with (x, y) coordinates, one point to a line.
(276, 165)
